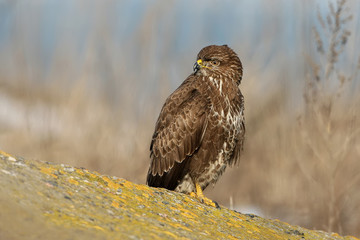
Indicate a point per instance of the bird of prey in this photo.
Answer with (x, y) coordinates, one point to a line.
(200, 129)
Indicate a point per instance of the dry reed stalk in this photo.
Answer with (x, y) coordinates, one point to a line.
(323, 126)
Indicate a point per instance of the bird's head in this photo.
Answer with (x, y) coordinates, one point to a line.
(216, 60)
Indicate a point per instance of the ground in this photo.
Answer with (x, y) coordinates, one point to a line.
(41, 200)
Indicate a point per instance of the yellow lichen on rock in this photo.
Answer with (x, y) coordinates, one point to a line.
(81, 204)
(49, 171)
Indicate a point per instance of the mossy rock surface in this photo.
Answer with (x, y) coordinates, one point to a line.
(41, 200)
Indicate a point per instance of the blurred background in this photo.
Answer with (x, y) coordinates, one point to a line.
(83, 82)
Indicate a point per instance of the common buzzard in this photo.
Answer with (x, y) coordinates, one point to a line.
(200, 129)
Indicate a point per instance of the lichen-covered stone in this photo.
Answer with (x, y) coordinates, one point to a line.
(41, 200)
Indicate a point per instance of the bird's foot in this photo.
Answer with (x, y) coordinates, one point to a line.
(209, 202)
(200, 196)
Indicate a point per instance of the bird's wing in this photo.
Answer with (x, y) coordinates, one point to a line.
(239, 145)
(179, 129)
(240, 136)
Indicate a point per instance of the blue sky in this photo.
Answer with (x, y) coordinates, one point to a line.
(266, 34)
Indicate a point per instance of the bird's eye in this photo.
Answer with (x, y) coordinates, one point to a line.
(215, 62)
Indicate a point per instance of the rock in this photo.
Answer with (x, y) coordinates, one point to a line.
(41, 200)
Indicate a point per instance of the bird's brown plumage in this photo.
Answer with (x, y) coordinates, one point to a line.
(200, 129)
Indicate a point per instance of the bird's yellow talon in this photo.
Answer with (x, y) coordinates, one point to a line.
(209, 202)
(200, 196)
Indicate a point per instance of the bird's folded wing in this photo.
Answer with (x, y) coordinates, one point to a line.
(239, 145)
(179, 130)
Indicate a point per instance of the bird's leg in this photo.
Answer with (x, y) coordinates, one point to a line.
(200, 195)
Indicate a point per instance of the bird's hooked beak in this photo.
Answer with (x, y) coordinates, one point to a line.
(197, 65)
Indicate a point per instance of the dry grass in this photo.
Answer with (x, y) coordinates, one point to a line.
(330, 127)
(301, 161)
